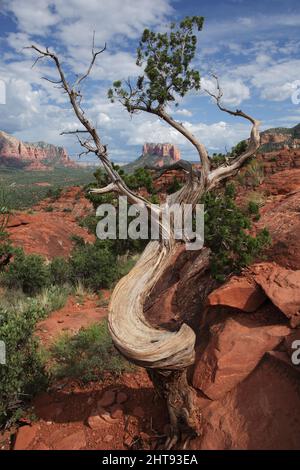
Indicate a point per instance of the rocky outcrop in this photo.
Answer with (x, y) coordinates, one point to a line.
(281, 137)
(279, 160)
(162, 150)
(285, 182)
(240, 292)
(261, 412)
(49, 229)
(281, 218)
(31, 156)
(235, 348)
(282, 287)
(154, 156)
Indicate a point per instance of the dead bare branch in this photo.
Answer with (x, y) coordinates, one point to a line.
(225, 171)
(94, 56)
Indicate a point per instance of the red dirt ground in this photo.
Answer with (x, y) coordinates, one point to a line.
(67, 415)
(72, 317)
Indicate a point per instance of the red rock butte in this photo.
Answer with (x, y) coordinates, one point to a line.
(162, 150)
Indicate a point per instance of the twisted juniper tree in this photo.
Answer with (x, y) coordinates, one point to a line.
(166, 74)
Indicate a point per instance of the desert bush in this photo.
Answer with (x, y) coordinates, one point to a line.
(54, 193)
(174, 186)
(52, 298)
(59, 271)
(94, 265)
(227, 234)
(87, 355)
(28, 272)
(253, 175)
(23, 374)
(89, 222)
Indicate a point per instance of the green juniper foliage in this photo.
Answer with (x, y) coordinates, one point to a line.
(227, 234)
(168, 74)
(24, 373)
(28, 272)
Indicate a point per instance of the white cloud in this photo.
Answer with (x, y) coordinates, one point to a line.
(274, 81)
(234, 91)
(183, 112)
(215, 136)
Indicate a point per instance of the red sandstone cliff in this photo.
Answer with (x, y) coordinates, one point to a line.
(162, 150)
(155, 156)
(32, 156)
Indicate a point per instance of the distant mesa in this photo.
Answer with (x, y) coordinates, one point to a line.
(154, 156)
(280, 138)
(32, 156)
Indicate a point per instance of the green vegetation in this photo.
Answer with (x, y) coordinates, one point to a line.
(166, 67)
(23, 187)
(174, 186)
(94, 265)
(218, 159)
(87, 355)
(252, 175)
(227, 234)
(27, 272)
(48, 299)
(23, 374)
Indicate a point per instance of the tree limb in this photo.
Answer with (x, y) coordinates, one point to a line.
(222, 172)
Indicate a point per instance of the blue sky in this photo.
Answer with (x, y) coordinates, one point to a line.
(253, 46)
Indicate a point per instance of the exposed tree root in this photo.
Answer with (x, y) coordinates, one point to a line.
(179, 395)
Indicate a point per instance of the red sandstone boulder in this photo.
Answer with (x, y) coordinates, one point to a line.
(282, 220)
(282, 286)
(235, 348)
(260, 413)
(239, 292)
(25, 437)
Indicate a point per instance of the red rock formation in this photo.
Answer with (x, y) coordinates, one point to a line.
(284, 182)
(279, 160)
(239, 292)
(162, 150)
(162, 183)
(281, 218)
(259, 413)
(282, 286)
(50, 233)
(235, 348)
(45, 233)
(32, 156)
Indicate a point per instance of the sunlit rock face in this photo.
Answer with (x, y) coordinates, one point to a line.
(32, 156)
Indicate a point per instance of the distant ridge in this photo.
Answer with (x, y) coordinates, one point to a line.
(32, 156)
(280, 138)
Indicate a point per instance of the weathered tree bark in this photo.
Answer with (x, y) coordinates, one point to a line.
(166, 354)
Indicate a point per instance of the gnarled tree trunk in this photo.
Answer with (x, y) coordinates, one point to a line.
(166, 354)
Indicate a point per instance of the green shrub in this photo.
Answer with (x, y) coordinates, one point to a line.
(54, 193)
(94, 265)
(59, 271)
(87, 355)
(52, 298)
(90, 223)
(174, 186)
(227, 234)
(23, 374)
(28, 272)
(253, 209)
